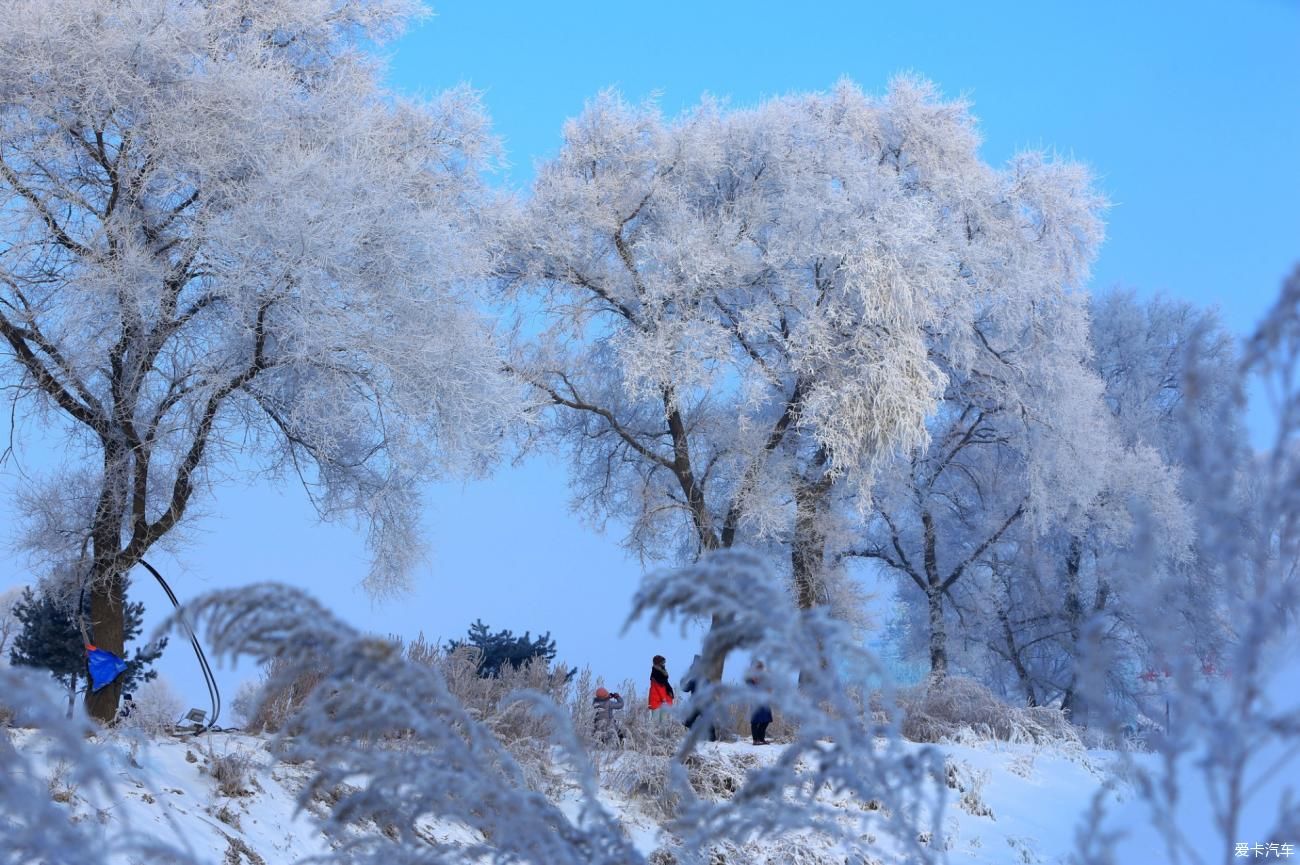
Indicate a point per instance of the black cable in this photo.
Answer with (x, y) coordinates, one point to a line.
(214, 694)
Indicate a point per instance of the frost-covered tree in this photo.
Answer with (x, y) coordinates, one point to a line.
(1012, 518)
(1019, 437)
(1144, 351)
(1233, 744)
(223, 244)
(737, 305)
(1148, 354)
(1068, 594)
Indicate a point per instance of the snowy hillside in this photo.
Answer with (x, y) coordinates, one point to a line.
(225, 800)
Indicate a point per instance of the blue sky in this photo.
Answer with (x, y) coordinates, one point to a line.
(1186, 111)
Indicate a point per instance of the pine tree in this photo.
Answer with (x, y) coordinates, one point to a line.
(50, 638)
(504, 648)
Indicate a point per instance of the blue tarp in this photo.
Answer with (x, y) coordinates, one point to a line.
(104, 667)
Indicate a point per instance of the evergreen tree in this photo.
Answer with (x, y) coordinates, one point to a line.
(504, 648)
(50, 638)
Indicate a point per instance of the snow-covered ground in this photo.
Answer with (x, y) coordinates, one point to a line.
(1006, 803)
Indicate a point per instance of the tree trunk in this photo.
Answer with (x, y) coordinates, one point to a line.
(701, 518)
(72, 694)
(713, 672)
(107, 624)
(934, 597)
(938, 637)
(808, 550)
(1013, 653)
(808, 547)
(1070, 701)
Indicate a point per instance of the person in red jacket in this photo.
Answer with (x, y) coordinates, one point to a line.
(661, 690)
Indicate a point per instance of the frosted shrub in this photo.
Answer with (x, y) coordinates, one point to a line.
(61, 790)
(245, 704)
(487, 698)
(157, 708)
(581, 710)
(959, 707)
(419, 650)
(969, 783)
(643, 778)
(232, 770)
(658, 733)
(791, 849)
(719, 774)
(284, 689)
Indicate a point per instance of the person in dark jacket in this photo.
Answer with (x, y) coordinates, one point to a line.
(763, 714)
(661, 690)
(124, 711)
